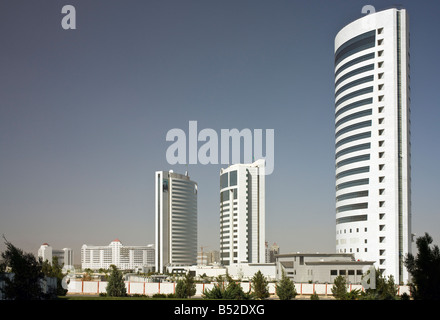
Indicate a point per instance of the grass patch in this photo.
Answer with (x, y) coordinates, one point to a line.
(84, 297)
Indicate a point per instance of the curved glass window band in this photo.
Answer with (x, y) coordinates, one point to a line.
(351, 63)
(362, 42)
(353, 149)
(344, 162)
(354, 84)
(353, 116)
(352, 195)
(350, 207)
(354, 105)
(355, 72)
(353, 95)
(350, 172)
(352, 138)
(353, 183)
(362, 217)
(355, 126)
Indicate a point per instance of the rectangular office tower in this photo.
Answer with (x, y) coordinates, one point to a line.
(372, 130)
(242, 213)
(176, 220)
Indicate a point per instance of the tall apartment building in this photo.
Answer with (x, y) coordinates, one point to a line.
(123, 257)
(65, 255)
(372, 131)
(242, 213)
(176, 220)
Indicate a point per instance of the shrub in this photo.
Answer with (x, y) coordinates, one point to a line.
(185, 287)
(233, 291)
(339, 289)
(314, 296)
(260, 286)
(285, 288)
(116, 284)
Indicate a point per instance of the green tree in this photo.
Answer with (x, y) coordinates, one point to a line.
(27, 270)
(116, 285)
(217, 292)
(285, 288)
(87, 275)
(424, 270)
(260, 286)
(385, 288)
(186, 287)
(353, 294)
(54, 270)
(232, 291)
(314, 296)
(339, 289)
(235, 291)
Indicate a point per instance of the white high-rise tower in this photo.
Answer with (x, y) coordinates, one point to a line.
(242, 213)
(176, 220)
(372, 130)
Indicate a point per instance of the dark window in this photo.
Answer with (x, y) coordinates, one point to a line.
(224, 180)
(233, 178)
(224, 196)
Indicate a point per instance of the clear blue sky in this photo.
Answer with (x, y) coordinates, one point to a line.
(84, 113)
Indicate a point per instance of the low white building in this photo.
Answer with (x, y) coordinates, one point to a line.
(241, 271)
(123, 257)
(321, 267)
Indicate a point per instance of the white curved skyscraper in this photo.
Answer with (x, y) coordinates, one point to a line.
(372, 131)
(176, 220)
(242, 213)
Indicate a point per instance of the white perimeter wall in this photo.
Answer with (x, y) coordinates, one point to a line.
(150, 288)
